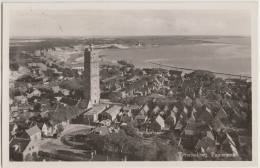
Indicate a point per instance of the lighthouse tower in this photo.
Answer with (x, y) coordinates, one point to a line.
(91, 76)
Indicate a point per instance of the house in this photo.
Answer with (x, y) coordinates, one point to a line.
(20, 150)
(24, 147)
(210, 135)
(206, 145)
(110, 113)
(175, 109)
(34, 133)
(156, 110)
(190, 135)
(155, 126)
(171, 120)
(160, 121)
(205, 116)
(14, 108)
(190, 130)
(229, 146)
(166, 108)
(217, 125)
(13, 128)
(192, 119)
(185, 110)
(131, 109)
(140, 118)
(194, 112)
(175, 73)
(21, 99)
(124, 118)
(92, 114)
(35, 92)
(145, 109)
(47, 130)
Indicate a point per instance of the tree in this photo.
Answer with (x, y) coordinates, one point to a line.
(130, 130)
(14, 66)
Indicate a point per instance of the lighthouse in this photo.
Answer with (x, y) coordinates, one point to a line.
(91, 76)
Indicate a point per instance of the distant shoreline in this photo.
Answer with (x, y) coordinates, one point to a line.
(122, 36)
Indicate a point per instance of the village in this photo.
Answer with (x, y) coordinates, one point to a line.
(172, 114)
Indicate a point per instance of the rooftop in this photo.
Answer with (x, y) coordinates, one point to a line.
(113, 110)
(33, 130)
(96, 109)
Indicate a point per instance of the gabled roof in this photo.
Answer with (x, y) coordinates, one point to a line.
(160, 121)
(205, 143)
(185, 110)
(217, 124)
(114, 110)
(231, 144)
(156, 109)
(47, 125)
(210, 135)
(221, 113)
(12, 126)
(173, 115)
(179, 125)
(33, 130)
(146, 108)
(175, 109)
(194, 110)
(166, 108)
(206, 116)
(191, 119)
(230, 140)
(96, 109)
(171, 119)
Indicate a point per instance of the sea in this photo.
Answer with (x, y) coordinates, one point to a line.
(224, 54)
(218, 54)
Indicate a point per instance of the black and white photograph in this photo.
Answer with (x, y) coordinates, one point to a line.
(129, 84)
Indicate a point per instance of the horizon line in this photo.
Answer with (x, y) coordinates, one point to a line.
(99, 36)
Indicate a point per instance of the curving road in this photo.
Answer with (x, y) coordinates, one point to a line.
(75, 129)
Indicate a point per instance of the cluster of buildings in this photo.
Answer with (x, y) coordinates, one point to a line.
(203, 113)
(43, 101)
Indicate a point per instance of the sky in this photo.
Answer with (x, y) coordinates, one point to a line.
(128, 22)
